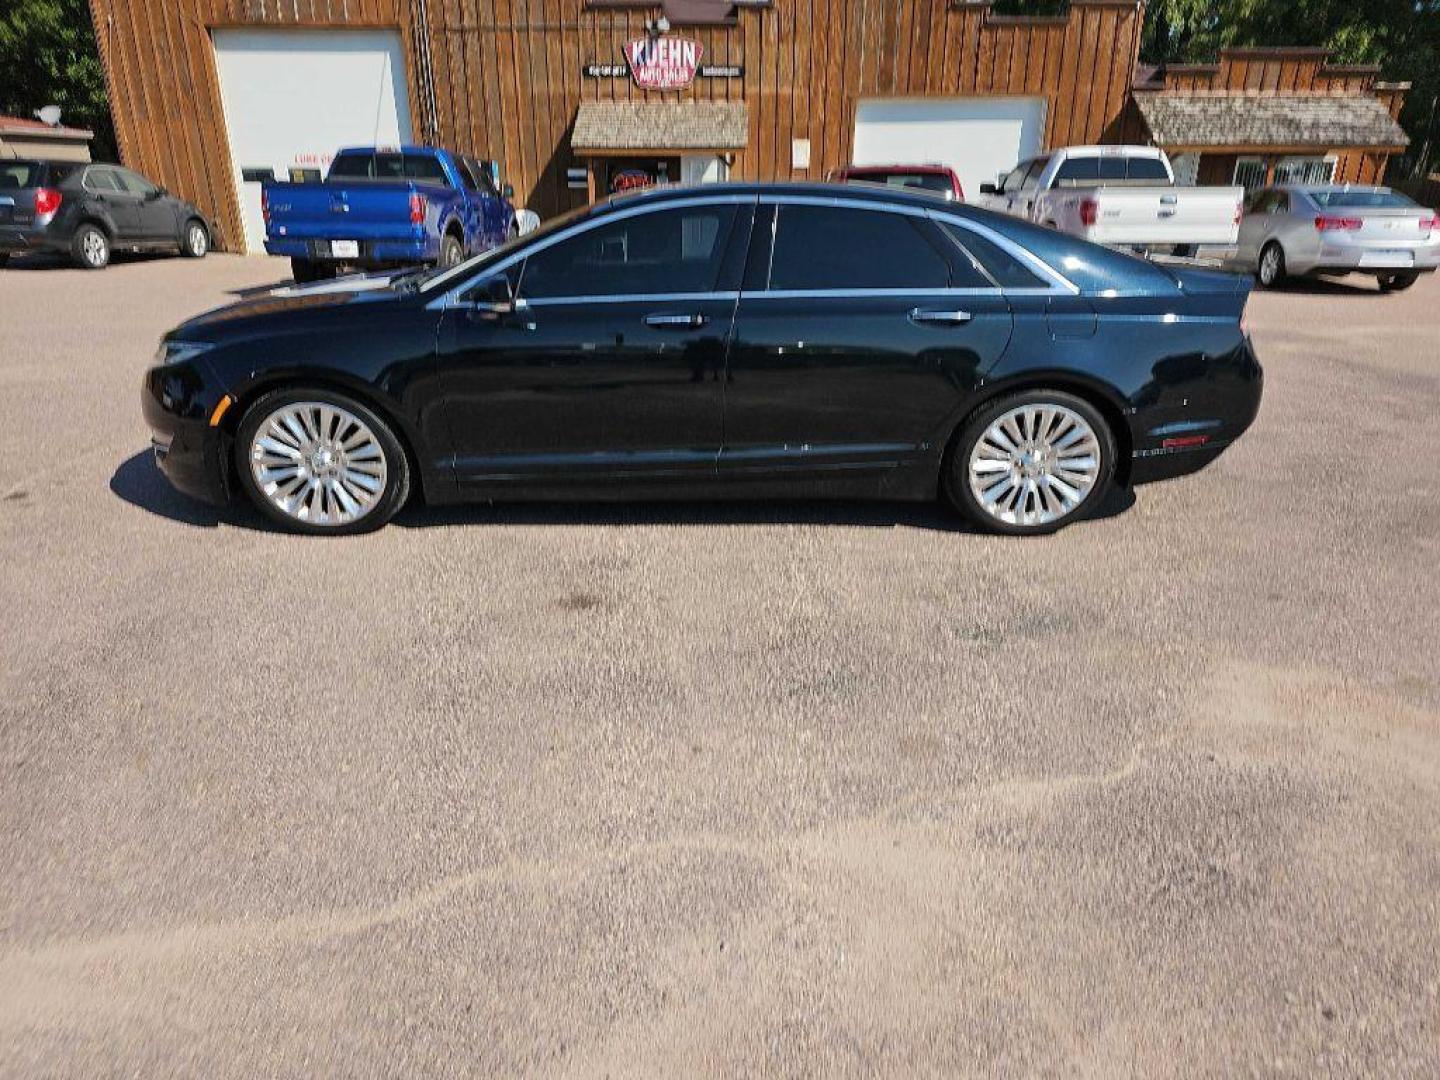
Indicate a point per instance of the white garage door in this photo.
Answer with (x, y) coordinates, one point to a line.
(294, 97)
(977, 137)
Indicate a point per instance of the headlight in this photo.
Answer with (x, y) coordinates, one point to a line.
(176, 352)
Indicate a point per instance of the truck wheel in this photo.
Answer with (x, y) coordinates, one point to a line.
(451, 252)
(307, 270)
(1398, 282)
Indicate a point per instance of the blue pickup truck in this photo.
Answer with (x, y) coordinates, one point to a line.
(386, 207)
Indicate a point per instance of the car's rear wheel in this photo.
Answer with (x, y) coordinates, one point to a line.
(1271, 269)
(196, 241)
(1031, 463)
(451, 251)
(1398, 282)
(90, 247)
(315, 461)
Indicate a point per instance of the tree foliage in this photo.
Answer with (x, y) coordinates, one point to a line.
(48, 56)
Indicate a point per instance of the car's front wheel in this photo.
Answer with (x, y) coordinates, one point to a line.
(315, 461)
(1031, 463)
(196, 242)
(451, 252)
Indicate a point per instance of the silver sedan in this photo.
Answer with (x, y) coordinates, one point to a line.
(1332, 229)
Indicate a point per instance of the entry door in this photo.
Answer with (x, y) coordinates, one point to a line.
(294, 97)
(867, 334)
(611, 364)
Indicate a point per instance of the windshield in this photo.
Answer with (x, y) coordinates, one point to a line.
(438, 277)
(1360, 199)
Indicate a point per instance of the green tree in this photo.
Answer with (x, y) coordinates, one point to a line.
(48, 56)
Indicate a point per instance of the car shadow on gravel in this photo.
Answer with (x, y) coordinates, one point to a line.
(47, 260)
(139, 482)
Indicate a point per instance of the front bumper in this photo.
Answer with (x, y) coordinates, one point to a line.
(177, 401)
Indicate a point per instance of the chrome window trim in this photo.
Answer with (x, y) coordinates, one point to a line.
(450, 298)
(854, 294)
(1061, 283)
(846, 203)
(629, 298)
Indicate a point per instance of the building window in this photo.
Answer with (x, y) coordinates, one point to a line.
(1250, 172)
(1305, 170)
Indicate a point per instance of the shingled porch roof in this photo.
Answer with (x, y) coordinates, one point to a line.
(620, 126)
(1227, 121)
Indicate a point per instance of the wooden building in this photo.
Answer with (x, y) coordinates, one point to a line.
(572, 98)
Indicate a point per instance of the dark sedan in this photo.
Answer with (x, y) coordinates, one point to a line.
(730, 340)
(88, 211)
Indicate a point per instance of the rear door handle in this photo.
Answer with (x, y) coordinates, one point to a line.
(677, 322)
(939, 318)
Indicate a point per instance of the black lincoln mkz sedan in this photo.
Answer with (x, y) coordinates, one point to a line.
(732, 340)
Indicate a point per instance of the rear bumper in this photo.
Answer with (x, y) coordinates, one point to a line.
(177, 401)
(1218, 409)
(373, 253)
(14, 241)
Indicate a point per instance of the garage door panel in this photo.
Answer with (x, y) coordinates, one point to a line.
(977, 137)
(293, 97)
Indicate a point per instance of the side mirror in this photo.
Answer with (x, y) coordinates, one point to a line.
(989, 189)
(508, 191)
(155, 193)
(493, 297)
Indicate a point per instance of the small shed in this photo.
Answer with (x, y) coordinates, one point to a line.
(21, 138)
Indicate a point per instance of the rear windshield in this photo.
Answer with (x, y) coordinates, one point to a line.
(1327, 200)
(387, 167)
(935, 182)
(1113, 169)
(20, 174)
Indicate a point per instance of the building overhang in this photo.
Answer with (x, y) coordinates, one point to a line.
(1274, 123)
(618, 128)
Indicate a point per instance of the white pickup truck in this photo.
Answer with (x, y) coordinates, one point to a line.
(1124, 196)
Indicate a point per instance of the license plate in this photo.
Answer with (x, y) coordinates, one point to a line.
(345, 249)
(1387, 258)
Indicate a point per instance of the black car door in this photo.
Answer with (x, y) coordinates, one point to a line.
(860, 332)
(155, 212)
(608, 362)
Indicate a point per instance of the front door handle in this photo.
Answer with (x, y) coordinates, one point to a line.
(676, 322)
(939, 318)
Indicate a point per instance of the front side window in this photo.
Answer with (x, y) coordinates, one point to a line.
(835, 247)
(467, 177)
(663, 252)
(134, 183)
(1032, 175)
(1015, 178)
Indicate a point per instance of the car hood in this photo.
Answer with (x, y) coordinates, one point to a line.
(276, 304)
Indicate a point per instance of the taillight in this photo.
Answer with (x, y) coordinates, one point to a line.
(1239, 213)
(47, 200)
(1337, 224)
(417, 208)
(1089, 211)
(1429, 224)
(265, 206)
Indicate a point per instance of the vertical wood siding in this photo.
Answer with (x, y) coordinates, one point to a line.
(507, 76)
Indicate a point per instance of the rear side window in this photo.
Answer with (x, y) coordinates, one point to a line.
(101, 180)
(664, 252)
(353, 167)
(425, 169)
(1006, 269)
(832, 247)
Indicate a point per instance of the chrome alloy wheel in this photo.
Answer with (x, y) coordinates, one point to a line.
(1034, 465)
(1269, 265)
(196, 241)
(93, 248)
(318, 463)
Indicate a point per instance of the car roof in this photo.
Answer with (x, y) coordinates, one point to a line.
(815, 189)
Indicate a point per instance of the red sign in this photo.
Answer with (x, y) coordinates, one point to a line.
(663, 63)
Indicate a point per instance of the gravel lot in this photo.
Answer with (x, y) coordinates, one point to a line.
(753, 789)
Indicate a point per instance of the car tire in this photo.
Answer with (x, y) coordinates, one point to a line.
(305, 271)
(1398, 282)
(90, 247)
(1270, 268)
(194, 240)
(452, 251)
(1056, 469)
(4, 259)
(321, 463)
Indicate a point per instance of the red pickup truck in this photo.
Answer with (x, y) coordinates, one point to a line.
(937, 179)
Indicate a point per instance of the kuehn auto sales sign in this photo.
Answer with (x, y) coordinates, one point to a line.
(663, 63)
